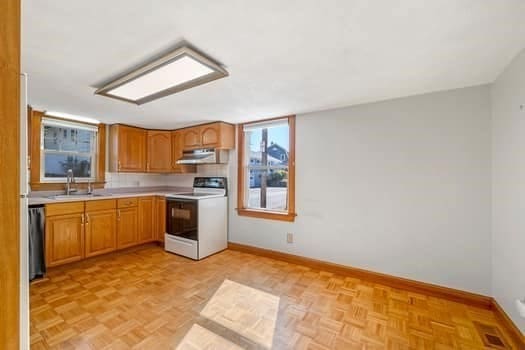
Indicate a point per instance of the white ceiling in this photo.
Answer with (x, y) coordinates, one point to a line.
(284, 57)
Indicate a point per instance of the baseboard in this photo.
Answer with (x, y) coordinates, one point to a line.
(456, 295)
(511, 328)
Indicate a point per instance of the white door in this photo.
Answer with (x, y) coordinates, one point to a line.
(24, 236)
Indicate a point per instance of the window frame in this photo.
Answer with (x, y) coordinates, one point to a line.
(242, 210)
(94, 154)
(34, 156)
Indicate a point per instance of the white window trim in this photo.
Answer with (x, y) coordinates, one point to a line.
(70, 124)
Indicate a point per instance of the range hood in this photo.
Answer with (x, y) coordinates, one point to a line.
(204, 156)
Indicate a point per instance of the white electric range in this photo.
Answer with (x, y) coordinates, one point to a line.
(197, 221)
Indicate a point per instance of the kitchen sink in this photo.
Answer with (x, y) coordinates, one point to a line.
(77, 196)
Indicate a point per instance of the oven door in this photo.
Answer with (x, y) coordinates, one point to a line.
(182, 218)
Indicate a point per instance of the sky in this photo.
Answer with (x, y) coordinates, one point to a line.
(278, 135)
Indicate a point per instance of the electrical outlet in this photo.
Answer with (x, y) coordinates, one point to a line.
(289, 237)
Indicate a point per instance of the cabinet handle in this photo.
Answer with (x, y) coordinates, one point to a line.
(87, 219)
(118, 165)
(118, 214)
(147, 165)
(82, 219)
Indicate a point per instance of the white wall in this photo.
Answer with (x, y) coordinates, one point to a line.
(400, 187)
(508, 208)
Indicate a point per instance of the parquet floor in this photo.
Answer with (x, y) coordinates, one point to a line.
(149, 299)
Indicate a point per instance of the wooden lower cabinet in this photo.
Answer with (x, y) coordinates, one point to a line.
(160, 218)
(146, 219)
(79, 230)
(127, 227)
(101, 232)
(64, 239)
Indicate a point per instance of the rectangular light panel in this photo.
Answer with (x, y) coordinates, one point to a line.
(180, 70)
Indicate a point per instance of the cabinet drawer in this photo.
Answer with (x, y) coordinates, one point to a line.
(102, 204)
(64, 208)
(127, 202)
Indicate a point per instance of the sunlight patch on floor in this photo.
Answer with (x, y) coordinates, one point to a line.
(247, 311)
(199, 338)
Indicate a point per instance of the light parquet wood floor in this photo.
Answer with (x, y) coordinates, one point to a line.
(149, 299)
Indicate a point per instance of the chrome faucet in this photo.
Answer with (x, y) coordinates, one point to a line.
(70, 178)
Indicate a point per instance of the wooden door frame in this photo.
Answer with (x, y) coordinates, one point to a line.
(10, 170)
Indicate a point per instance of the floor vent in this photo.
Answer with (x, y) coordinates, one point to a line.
(491, 336)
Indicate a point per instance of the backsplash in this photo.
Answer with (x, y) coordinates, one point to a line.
(116, 180)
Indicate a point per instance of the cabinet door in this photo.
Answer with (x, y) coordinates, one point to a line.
(146, 219)
(159, 151)
(101, 232)
(176, 153)
(210, 135)
(161, 218)
(191, 138)
(131, 149)
(64, 239)
(127, 220)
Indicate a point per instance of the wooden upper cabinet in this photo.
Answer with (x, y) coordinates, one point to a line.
(127, 149)
(217, 135)
(146, 232)
(210, 135)
(176, 153)
(159, 151)
(213, 135)
(191, 138)
(156, 151)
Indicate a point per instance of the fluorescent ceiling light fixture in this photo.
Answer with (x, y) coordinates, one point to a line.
(68, 116)
(179, 70)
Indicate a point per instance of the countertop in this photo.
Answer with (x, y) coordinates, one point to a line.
(44, 197)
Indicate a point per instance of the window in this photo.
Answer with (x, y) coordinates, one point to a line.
(267, 169)
(67, 145)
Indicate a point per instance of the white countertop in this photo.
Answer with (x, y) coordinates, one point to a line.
(43, 198)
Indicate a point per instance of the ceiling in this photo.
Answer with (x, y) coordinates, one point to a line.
(284, 57)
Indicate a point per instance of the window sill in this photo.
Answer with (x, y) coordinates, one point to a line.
(55, 186)
(265, 214)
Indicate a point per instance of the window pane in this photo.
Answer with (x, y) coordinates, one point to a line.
(267, 167)
(272, 140)
(62, 138)
(268, 189)
(56, 165)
